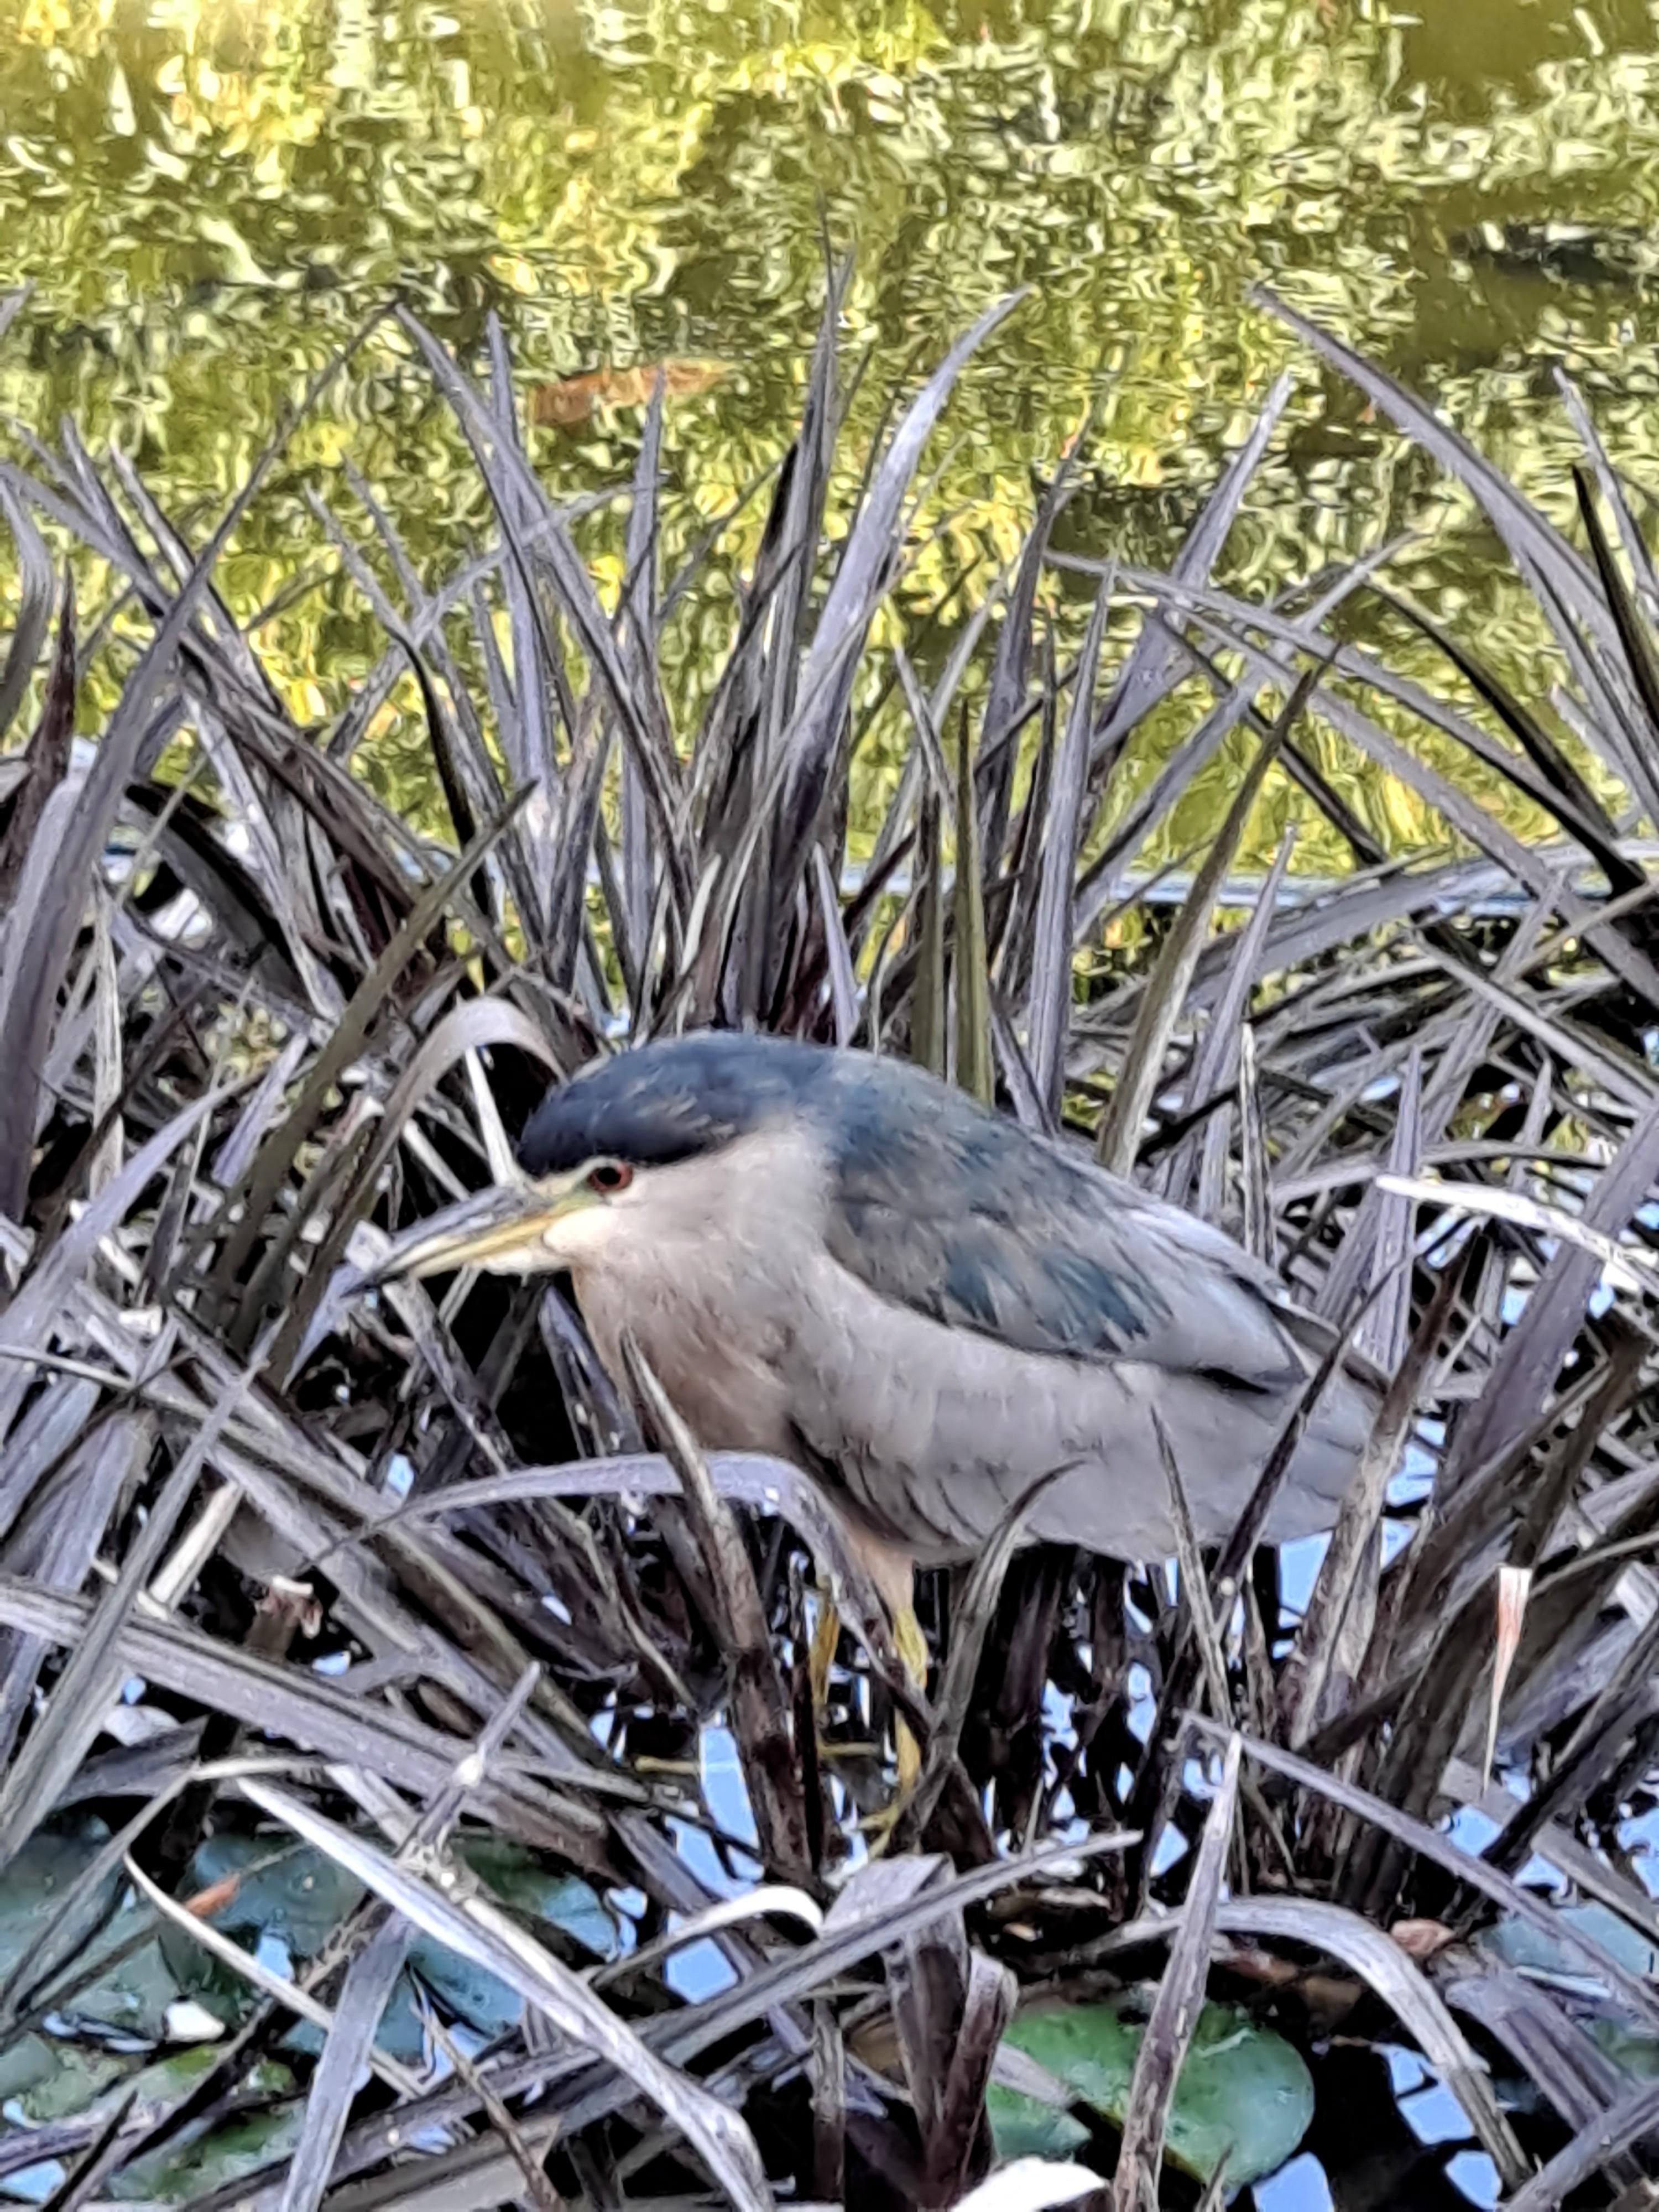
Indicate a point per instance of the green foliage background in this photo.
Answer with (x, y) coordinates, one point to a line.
(207, 196)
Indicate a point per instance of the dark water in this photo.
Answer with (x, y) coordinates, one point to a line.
(207, 197)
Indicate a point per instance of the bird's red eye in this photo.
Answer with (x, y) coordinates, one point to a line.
(610, 1175)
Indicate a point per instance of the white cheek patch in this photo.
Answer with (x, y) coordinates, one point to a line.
(578, 1236)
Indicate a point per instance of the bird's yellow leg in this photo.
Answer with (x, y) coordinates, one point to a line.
(893, 1572)
(826, 1639)
(821, 1658)
(911, 1645)
(894, 1577)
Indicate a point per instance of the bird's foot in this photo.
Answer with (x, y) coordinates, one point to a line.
(877, 1827)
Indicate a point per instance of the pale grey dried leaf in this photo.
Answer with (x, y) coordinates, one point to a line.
(1176, 2006)
(1050, 1000)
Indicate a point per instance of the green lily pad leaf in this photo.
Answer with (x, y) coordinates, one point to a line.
(36, 1882)
(194, 2165)
(468, 1991)
(1634, 2049)
(28, 2059)
(167, 2080)
(120, 1979)
(516, 1879)
(131, 1993)
(401, 2033)
(226, 1994)
(1518, 1943)
(291, 1891)
(1631, 2047)
(300, 1896)
(1243, 2094)
(71, 2080)
(154, 2087)
(1025, 2127)
(60, 2079)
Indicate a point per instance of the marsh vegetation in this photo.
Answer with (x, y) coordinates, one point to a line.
(409, 1791)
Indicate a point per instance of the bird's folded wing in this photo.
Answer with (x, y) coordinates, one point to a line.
(1046, 1254)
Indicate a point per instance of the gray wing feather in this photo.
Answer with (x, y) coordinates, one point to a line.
(976, 1223)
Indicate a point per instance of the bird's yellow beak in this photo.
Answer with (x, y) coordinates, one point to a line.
(504, 1229)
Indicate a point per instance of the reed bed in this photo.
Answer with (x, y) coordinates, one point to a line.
(398, 1591)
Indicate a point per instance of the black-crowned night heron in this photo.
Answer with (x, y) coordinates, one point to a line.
(839, 1260)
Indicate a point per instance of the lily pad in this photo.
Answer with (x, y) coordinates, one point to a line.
(51, 2080)
(120, 1979)
(289, 1892)
(1633, 2049)
(519, 1881)
(68, 2081)
(128, 1990)
(299, 1896)
(1243, 2094)
(515, 1879)
(471, 1993)
(38, 1879)
(401, 2033)
(1632, 2046)
(187, 2169)
(83, 2080)
(1519, 1944)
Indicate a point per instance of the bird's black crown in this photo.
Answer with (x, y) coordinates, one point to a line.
(673, 1100)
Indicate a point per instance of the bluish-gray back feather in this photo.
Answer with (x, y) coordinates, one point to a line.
(942, 1207)
(969, 1218)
